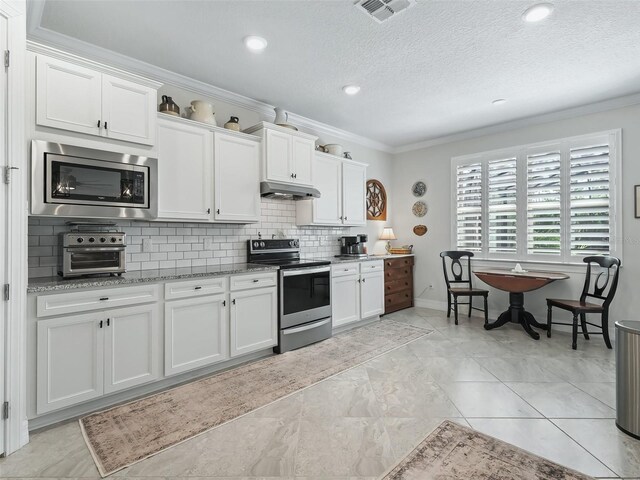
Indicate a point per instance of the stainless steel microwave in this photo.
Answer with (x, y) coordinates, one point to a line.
(72, 181)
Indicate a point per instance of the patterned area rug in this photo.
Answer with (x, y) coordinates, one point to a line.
(127, 434)
(452, 451)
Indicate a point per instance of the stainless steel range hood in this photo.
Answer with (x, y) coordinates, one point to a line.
(287, 192)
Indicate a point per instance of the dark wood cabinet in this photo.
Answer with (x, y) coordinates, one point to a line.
(398, 283)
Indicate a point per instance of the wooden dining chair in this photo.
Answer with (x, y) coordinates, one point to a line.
(606, 281)
(459, 284)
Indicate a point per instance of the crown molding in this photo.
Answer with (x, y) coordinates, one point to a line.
(46, 41)
(597, 107)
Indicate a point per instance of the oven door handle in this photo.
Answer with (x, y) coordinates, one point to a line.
(304, 271)
(291, 331)
(94, 249)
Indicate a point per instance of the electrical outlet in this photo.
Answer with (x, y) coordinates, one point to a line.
(147, 245)
(208, 243)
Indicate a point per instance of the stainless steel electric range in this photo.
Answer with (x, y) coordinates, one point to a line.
(304, 292)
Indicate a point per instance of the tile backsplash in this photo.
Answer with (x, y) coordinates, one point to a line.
(182, 244)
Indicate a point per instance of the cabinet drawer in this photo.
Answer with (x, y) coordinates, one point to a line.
(398, 286)
(195, 288)
(368, 267)
(253, 280)
(398, 262)
(85, 301)
(391, 274)
(344, 269)
(400, 300)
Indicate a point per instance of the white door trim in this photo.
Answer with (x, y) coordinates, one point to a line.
(16, 431)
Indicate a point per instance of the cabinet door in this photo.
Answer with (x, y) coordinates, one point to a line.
(278, 163)
(185, 176)
(354, 180)
(327, 210)
(254, 321)
(68, 96)
(371, 294)
(128, 110)
(345, 299)
(303, 153)
(195, 333)
(237, 179)
(131, 353)
(69, 361)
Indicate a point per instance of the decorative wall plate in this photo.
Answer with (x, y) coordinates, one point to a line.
(376, 200)
(419, 209)
(419, 189)
(420, 230)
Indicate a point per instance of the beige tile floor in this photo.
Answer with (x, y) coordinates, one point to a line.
(540, 396)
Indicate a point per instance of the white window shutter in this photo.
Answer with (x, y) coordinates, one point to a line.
(469, 207)
(502, 205)
(544, 204)
(589, 200)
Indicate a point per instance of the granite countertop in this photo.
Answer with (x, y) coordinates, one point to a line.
(50, 284)
(370, 258)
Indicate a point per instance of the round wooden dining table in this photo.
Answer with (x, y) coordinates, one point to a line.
(517, 283)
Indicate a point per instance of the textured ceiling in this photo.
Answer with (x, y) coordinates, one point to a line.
(430, 72)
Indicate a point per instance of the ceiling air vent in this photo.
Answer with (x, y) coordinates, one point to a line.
(383, 10)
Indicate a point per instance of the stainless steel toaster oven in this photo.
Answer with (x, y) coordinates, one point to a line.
(92, 253)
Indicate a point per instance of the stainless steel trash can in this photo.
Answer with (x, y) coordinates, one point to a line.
(628, 377)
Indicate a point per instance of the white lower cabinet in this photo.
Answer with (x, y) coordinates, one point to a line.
(357, 291)
(81, 357)
(253, 320)
(196, 333)
(345, 304)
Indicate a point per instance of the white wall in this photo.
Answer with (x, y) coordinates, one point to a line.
(379, 162)
(434, 166)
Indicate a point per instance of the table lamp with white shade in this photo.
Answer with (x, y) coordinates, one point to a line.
(387, 234)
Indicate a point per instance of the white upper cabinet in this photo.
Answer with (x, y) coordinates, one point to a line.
(128, 110)
(237, 179)
(185, 177)
(278, 152)
(302, 160)
(327, 210)
(81, 99)
(342, 186)
(68, 96)
(354, 184)
(287, 154)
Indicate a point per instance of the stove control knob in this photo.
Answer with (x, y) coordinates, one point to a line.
(256, 244)
(80, 240)
(296, 243)
(262, 244)
(114, 239)
(91, 239)
(102, 239)
(292, 243)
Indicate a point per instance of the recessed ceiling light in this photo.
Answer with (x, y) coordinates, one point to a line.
(499, 101)
(351, 89)
(537, 12)
(255, 43)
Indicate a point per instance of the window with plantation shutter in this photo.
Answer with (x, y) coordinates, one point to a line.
(502, 207)
(589, 204)
(544, 207)
(551, 202)
(469, 207)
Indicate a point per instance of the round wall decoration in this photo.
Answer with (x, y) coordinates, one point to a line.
(419, 209)
(420, 230)
(419, 189)
(376, 200)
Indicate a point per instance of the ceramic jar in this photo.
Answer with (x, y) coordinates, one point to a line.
(233, 124)
(202, 111)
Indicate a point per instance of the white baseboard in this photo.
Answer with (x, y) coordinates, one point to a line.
(432, 304)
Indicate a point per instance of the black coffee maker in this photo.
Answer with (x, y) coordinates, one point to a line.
(353, 246)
